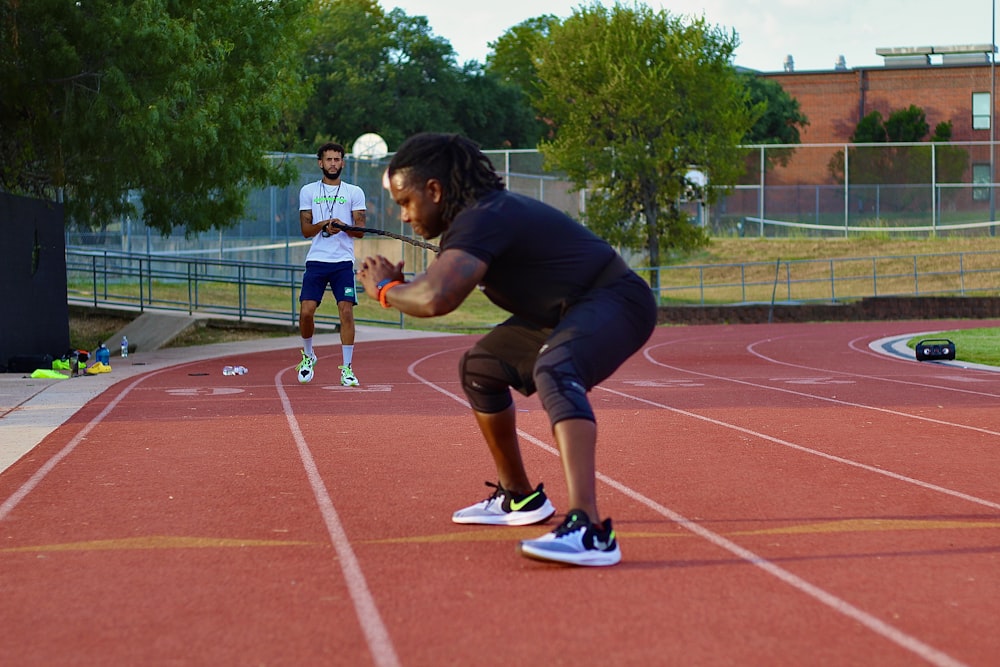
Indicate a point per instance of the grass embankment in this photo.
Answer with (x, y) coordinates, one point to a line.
(978, 346)
(735, 250)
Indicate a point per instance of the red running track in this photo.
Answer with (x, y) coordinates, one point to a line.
(783, 496)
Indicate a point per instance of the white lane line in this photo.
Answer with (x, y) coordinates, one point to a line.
(878, 378)
(376, 634)
(826, 399)
(814, 452)
(872, 623)
(8, 505)
(895, 347)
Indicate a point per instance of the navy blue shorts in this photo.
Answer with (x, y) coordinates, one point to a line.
(338, 275)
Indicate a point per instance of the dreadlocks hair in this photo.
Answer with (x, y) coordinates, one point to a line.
(465, 173)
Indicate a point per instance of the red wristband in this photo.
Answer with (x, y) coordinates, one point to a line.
(382, 292)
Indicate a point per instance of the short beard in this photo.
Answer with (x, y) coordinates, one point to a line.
(332, 175)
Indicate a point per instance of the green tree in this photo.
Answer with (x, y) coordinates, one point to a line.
(908, 124)
(493, 112)
(780, 121)
(900, 164)
(639, 99)
(347, 47)
(513, 57)
(514, 60)
(176, 100)
(372, 71)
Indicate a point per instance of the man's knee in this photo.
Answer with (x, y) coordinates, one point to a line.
(485, 382)
(560, 388)
(307, 308)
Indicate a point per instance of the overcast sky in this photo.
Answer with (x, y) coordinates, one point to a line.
(814, 32)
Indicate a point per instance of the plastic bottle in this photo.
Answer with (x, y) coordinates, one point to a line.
(241, 370)
(124, 347)
(103, 354)
(228, 370)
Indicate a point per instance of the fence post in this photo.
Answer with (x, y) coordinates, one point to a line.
(142, 295)
(847, 190)
(833, 288)
(935, 195)
(93, 278)
(760, 195)
(874, 277)
(242, 273)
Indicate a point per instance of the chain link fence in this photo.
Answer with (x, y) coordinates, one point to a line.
(831, 190)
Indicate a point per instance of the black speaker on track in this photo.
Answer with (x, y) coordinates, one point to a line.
(935, 349)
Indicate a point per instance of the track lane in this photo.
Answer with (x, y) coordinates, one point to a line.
(398, 459)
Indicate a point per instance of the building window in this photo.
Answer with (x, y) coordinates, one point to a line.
(981, 176)
(981, 116)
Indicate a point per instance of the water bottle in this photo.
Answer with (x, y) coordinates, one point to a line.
(228, 370)
(240, 370)
(103, 354)
(124, 347)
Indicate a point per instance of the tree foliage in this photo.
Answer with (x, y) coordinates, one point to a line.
(780, 120)
(173, 99)
(514, 61)
(387, 73)
(899, 164)
(639, 99)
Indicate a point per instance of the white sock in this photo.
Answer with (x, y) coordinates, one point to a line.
(307, 346)
(348, 351)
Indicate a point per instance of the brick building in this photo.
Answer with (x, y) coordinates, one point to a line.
(948, 83)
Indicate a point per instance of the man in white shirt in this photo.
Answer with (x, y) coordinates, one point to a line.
(323, 205)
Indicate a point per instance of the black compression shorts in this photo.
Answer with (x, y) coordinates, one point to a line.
(595, 336)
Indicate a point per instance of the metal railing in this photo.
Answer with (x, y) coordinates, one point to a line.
(814, 190)
(236, 290)
(269, 292)
(832, 280)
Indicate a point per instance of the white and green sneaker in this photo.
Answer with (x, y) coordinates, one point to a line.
(576, 541)
(304, 371)
(505, 508)
(347, 376)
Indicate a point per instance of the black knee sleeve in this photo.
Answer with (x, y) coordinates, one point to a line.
(560, 388)
(486, 381)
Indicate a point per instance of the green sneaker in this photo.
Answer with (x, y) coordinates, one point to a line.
(304, 371)
(347, 376)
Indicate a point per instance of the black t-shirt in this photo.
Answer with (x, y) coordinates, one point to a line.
(539, 258)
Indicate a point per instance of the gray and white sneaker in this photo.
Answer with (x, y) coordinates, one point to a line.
(576, 541)
(505, 508)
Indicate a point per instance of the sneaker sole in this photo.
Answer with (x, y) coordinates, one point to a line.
(584, 559)
(543, 513)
